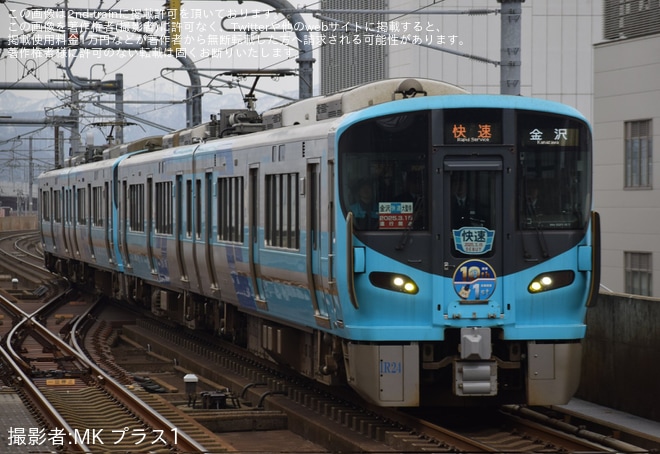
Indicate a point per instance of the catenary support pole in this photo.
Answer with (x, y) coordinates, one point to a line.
(510, 47)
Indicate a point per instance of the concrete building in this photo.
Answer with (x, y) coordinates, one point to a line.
(556, 53)
(626, 118)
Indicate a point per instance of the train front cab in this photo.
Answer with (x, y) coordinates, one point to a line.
(484, 304)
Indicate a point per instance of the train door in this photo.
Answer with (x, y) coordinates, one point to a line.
(123, 224)
(180, 232)
(66, 222)
(90, 221)
(60, 197)
(329, 243)
(194, 249)
(472, 231)
(53, 216)
(313, 245)
(255, 269)
(109, 224)
(208, 230)
(75, 213)
(150, 225)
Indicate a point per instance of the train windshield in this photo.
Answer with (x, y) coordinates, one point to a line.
(384, 177)
(554, 172)
(384, 180)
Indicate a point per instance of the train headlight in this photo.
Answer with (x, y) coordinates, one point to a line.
(551, 281)
(393, 281)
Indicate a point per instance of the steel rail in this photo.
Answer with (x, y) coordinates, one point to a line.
(176, 438)
(152, 418)
(53, 418)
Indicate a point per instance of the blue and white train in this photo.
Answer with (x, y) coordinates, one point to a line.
(424, 245)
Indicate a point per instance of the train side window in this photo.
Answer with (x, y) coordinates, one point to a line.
(45, 206)
(164, 209)
(81, 206)
(198, 208)
(57, 205)
(230, 209)
(189, 196)
(136, 206)
(282, 211)
(67, 205)
(97, 206)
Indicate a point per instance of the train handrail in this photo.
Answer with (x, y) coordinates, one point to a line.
(350, 274)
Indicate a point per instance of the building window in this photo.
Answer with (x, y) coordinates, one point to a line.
(630, 18)
(639, 153)
(639, 274)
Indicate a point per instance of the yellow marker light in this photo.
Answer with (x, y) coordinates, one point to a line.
(410, 287)
(551, 280)
(535, 286)
(394, 282)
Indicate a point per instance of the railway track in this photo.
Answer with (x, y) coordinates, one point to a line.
(80, 396)
(22, 273)
(77, 405)
(343, 416)
(77, 400)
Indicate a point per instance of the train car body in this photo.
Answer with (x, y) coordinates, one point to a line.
(424, 245)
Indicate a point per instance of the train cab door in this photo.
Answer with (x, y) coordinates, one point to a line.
(313, 245)
(472, 231)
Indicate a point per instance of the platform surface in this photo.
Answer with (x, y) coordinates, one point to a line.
(615, 417)
(16, 419)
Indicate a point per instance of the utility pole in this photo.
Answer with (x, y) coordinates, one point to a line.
(57, 162)
(75, 128)
(510, 47)
(119, 106)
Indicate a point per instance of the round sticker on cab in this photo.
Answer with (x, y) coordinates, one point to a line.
(474, 280)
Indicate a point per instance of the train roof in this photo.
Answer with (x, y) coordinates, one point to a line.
(352, 99)
(361, 102)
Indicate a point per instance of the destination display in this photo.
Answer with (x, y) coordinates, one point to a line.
(479, 126)
(552, 136)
